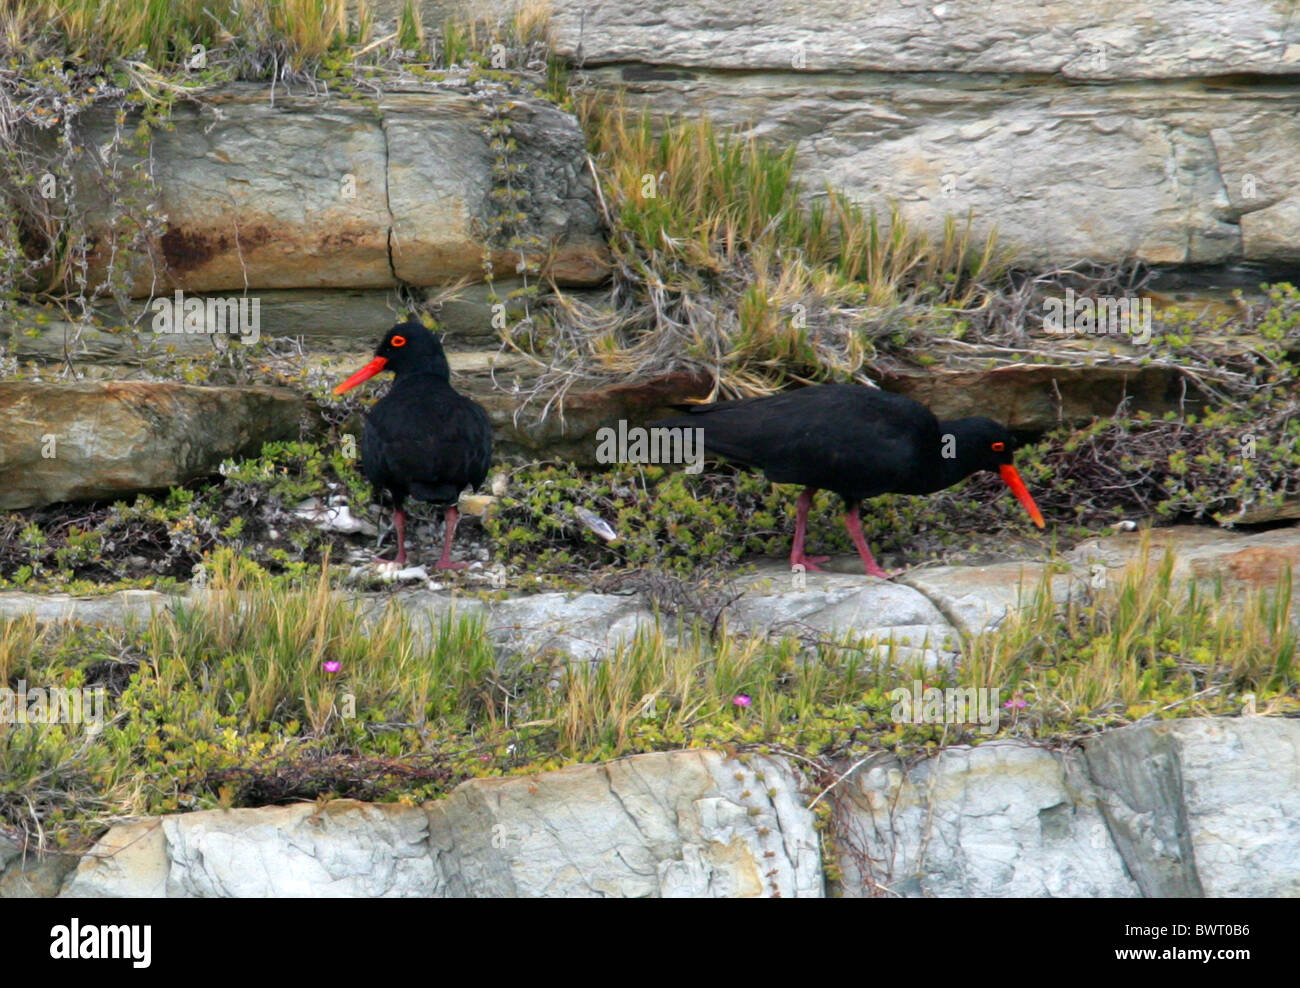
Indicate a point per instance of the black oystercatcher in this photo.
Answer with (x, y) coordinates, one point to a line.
(422, 439)
(856, 441)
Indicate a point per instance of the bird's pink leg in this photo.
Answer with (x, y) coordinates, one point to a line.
(797, 558)
(445, 562)
(399, 521)
(854, 525)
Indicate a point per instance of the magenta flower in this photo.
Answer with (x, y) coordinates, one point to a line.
(331, 666)
(1017, 702)
(741, 700)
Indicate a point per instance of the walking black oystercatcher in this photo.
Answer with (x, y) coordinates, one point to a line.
(856, 441)
(422, 439)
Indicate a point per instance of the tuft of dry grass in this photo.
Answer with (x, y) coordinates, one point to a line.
(20, 644)
(163, 32)
(1142, 645)
(269, 646)
(410, 26)
(722, 267)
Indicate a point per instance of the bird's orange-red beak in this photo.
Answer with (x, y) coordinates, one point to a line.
(1018, 488)
(370, 370)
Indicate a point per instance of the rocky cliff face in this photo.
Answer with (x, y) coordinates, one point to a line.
(1186, 808)
(81, 441)
(1094, 130)
(296, 191)
(1183, 808)
(1091, 40)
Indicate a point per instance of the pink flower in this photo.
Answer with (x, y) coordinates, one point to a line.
(331, 666)
(1017, 702)
(741, 700)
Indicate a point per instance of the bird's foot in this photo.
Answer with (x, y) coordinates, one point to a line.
(448, 564)
(398, 561)
(884, 574)
(809, 563)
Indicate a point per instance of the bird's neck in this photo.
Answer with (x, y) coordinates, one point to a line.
(958, 457)
(438, 374)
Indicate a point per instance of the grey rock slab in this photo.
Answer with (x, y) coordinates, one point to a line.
(340, 849)
(31, 875)
(1000, 819)
(832, 604)
(579, 626)
(1237, 560)
(900, 621)
(1029, 160)
(1209, 806)
(69, 442)
(673, 824)
(978, 598)
(689, 823)
(112, 609)
(1093, 39)
(130, 861)
(310, 191)
(1185, 541)
(314, 313)
(582, 626)
(327, 320)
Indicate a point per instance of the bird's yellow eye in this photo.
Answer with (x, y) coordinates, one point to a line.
(999, 447)
(398, 341)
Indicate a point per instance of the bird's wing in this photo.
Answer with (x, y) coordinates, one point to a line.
(842, 438)
(433, 444)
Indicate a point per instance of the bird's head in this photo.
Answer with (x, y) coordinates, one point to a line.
(405, 349)
(982, 444)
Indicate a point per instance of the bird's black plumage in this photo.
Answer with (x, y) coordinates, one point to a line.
(423, 439)
(856, 441)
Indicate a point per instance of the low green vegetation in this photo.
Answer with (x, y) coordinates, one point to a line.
(159, 541)
(693, 526)
(260, 691)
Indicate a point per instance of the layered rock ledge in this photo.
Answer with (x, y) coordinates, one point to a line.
(284, 191)
(1202, 807)
(1093, 130)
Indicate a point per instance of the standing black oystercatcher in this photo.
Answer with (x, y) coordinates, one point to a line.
(422, 439)
(856, 441)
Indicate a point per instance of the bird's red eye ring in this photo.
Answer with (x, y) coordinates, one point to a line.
(999, 447)
(398, 341)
